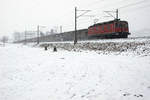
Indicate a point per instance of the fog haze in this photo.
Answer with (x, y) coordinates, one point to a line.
(21, 15)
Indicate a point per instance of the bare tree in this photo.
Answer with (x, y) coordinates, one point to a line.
(4, 39)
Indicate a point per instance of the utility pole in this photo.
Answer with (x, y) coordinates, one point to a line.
(75, 32)
(116, 13)
(25, 34)
(75, 35)
(38, 34)
(60, 29)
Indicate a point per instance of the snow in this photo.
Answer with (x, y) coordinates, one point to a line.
(30, 73)
(130, 39)
(136, 46)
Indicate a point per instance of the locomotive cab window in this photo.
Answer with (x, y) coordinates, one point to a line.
(126, 25)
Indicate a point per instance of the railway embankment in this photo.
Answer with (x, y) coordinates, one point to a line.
(140, 47)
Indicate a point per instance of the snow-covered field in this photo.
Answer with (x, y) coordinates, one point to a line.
(30, 73)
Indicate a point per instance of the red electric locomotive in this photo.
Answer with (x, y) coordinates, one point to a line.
(112, 29)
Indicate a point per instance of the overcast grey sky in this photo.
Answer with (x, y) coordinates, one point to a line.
(18, 15)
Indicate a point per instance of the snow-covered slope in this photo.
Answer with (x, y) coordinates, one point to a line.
(29, 73)
(137, 46)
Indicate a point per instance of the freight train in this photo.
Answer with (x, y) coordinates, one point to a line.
(111, 29)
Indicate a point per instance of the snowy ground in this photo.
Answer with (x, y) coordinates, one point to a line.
(136, 46)
(30, 73)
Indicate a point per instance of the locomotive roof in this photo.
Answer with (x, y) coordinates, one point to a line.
(107, 22)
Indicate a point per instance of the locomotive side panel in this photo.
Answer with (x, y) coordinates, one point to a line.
(101, 29)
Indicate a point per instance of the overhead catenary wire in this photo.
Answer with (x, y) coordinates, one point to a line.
(67, 13)
(120, 8)
(89, 5)
(132, 4)
(101, 7)
(96, 2)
